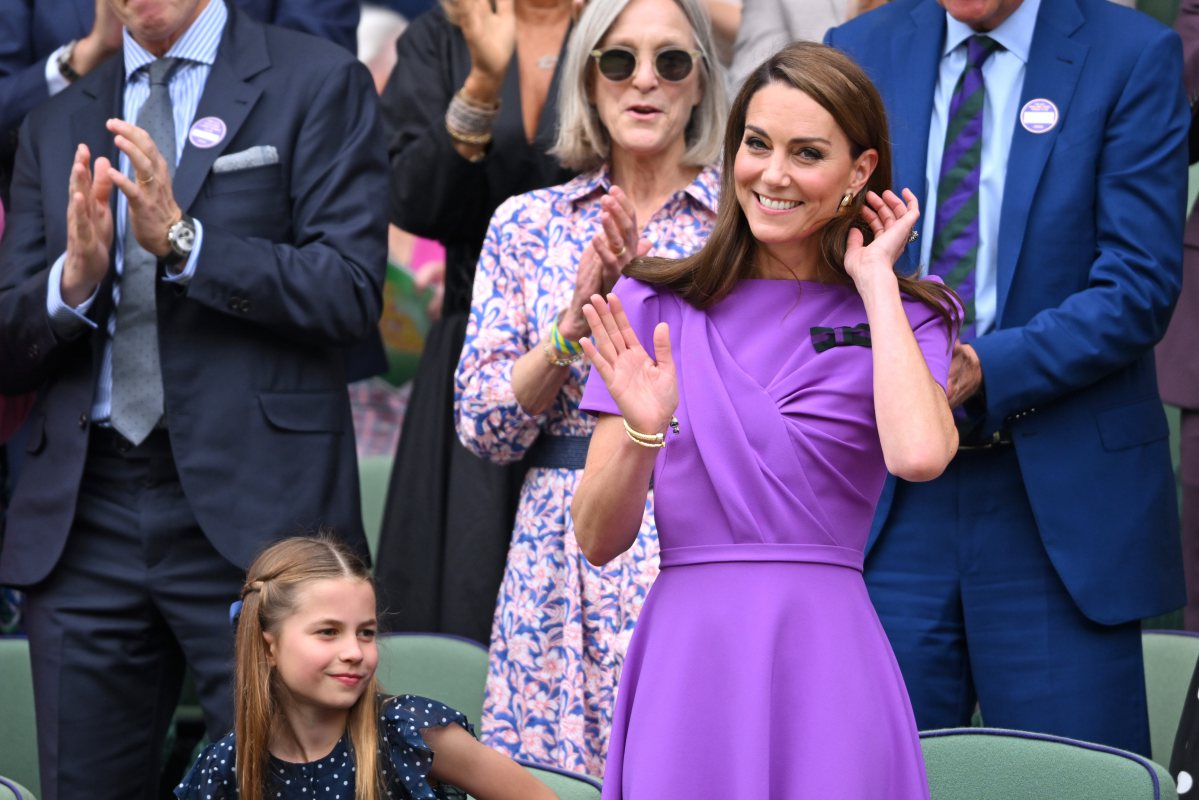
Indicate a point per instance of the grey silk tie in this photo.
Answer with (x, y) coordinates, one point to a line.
(137, 404)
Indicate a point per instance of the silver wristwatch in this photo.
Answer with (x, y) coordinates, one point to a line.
(182, 238)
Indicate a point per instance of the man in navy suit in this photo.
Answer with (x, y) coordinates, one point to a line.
(44, 44)
(1019, 577)
(250, 258)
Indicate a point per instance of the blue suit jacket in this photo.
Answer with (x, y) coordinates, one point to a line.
(290, 271)
(1089, 267)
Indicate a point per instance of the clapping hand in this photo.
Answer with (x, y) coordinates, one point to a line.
(605, 256)
(89, 228)
(645, 389)
(152, 206)
(891, 220)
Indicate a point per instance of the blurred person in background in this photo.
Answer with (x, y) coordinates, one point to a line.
(470, 113)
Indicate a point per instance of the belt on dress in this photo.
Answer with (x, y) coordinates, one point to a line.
(558, 452)
(831, 554)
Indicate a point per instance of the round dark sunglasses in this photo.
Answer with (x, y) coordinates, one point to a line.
(671, 64)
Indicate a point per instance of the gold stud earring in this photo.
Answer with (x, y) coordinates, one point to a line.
(846, 199)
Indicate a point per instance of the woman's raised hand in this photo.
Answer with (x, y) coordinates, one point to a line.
(645, 389)
(891, 220)
(490, 33)
(608, 253)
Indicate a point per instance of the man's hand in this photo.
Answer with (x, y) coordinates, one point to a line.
(965, 374)
(103, 40)
(89, 228)
(152, 206)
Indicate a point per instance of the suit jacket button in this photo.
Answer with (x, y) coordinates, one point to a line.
(233, 302)
(244, 306)
(83, 422)
(34, 350)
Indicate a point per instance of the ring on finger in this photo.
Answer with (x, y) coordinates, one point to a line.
(146, 181)
(621, 251)
(913, 236)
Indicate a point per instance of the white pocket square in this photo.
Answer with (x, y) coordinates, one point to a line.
(259, 156)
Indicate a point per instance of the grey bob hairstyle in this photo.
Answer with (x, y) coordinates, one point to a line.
(583, 142)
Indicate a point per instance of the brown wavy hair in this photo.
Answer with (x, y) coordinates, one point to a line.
(839, 86)
(271, 593)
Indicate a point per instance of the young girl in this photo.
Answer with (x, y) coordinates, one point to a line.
(310, 719)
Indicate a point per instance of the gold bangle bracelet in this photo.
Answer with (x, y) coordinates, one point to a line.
(477, 139)
(657, 445)
(646, 439)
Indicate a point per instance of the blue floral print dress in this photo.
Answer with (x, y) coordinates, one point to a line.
(561, 624)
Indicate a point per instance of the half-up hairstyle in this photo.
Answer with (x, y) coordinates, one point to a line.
(839, 86)
(270, 595)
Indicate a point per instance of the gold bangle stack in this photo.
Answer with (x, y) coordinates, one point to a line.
(468, 121)
(653, 440)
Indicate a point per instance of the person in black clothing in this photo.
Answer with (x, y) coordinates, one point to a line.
(470, 111)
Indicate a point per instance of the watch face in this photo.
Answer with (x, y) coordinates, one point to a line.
(183, 236)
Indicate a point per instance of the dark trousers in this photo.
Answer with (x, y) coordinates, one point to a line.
(138, 593)
(976, 612)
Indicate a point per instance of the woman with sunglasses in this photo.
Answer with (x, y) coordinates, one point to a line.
(785, 369)
(642, 111)
(470, 115)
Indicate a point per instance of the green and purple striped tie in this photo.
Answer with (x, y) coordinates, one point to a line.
(956, 237)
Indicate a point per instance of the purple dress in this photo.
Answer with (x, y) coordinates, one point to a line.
(758, 667)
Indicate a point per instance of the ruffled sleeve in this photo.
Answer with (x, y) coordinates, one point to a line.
(213, 776)
(641, 305)
(401, 721)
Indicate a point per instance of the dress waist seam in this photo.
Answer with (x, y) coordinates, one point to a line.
(833, 555)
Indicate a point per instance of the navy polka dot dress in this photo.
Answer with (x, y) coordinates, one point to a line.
(406, 758)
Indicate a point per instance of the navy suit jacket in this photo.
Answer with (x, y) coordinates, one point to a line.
(30, 30)
(1089, 267)
(290, 271)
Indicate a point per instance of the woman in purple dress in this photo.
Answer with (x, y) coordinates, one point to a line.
(791, 369)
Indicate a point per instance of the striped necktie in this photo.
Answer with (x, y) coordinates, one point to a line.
(137, 395)
(955, 241)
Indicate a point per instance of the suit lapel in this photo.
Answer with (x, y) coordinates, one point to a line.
(104, 99)
(1054, 65)
(916, 54)
(227, 97)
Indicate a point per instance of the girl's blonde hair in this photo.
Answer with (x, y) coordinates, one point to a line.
(270, 595)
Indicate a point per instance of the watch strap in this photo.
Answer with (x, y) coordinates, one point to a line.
(64, 62)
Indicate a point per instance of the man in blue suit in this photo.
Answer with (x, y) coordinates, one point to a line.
(44, 44)
(181, 318)
(1018, 578)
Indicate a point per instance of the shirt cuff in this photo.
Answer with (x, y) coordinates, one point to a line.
(55, 82)
(183, 277)
(66, 322)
